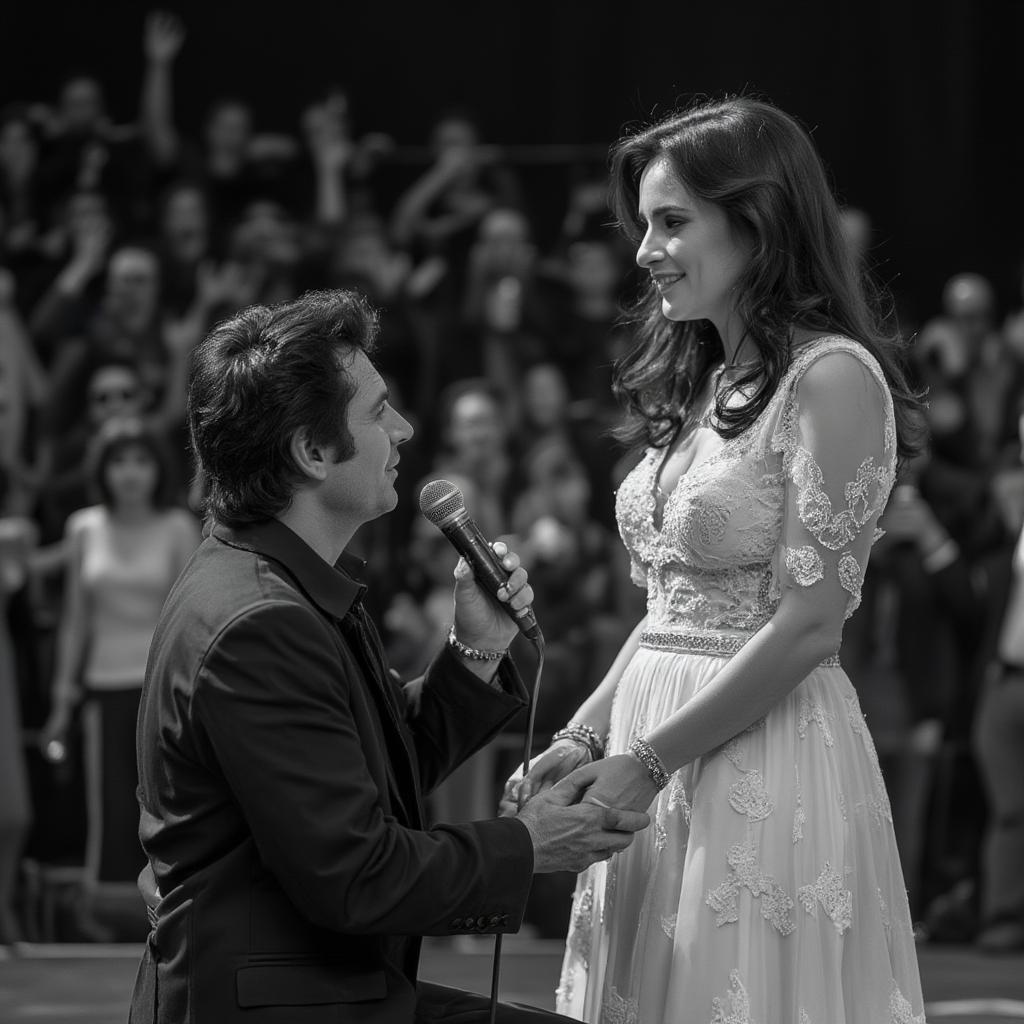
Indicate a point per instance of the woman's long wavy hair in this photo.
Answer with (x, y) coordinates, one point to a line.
(760, 167)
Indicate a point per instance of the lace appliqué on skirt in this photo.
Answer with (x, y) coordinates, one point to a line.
(734, 1006)
(811, 712)
(828, 890)
(750, 797)
(745, 873)
(617, 1010)
(900, 1010)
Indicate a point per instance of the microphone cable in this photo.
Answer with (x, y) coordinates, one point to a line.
(538, 642)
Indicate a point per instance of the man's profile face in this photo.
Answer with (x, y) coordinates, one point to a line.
(363, 487)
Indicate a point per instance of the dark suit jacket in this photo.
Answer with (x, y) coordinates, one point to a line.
(281, 773)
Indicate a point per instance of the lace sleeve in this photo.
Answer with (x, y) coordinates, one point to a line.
(838, 444)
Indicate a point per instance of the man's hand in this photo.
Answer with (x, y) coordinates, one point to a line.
(479, 621)
(570, 836)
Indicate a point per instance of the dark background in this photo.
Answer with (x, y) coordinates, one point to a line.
(915, 106)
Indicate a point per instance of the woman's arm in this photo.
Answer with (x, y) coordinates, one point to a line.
(72, 639)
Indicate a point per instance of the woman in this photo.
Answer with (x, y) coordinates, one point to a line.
(768, 888)
(123, 556)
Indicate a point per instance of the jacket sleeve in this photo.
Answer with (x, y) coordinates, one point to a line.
(452, 713)
(278, 722)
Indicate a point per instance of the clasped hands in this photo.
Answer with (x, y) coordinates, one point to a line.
(610, 796)
(620, 781)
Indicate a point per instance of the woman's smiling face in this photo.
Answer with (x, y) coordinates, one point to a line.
(690, 248)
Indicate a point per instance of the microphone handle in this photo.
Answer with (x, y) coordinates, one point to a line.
(466, 538)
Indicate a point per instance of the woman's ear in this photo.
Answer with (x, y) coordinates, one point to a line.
(311, 459)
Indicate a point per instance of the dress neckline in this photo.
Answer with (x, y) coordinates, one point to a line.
(656, 491)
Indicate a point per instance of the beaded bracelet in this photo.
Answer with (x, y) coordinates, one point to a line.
(644, 753)
(474, 653)
(583, 734)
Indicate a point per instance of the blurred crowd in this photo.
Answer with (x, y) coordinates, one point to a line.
(121, 244)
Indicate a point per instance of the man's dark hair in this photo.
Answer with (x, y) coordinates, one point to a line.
(260, 376)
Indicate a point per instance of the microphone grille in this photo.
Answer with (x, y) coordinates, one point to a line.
(441, 499)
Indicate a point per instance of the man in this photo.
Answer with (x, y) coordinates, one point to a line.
(281, 767)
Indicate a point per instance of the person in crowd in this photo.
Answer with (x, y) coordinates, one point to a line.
(998, 743)
(18, 536)
(474, 433)
(911, 652)
(462, 185)
(83, 151)
(114, 390)
(1013, 326)
(182, 244)
(974, 377)
(267, 699)
(364, 258)
(504, 249)
(548, 413)
(235, 165)
(131, 324)
(80, 244)
(266, 246)
(772, 410)
(342, 165)
(19, 182)
(577, 568)
(439, 214)
(590, 339)
(123, 554)
(24, 386)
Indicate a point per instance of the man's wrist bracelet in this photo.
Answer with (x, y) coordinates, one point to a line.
(644, 753)
(583, 734)
(473, 653)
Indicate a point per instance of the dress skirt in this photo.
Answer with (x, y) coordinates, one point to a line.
(767, 889)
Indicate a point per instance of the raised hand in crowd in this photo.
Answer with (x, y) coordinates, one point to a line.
(91, 239)
(162, 40)
(163, 36)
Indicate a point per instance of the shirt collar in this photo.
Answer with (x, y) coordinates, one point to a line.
(333, 588)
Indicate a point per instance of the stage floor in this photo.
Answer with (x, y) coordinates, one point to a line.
(89, 984)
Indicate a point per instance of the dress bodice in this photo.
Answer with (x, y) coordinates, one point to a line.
(763, 508)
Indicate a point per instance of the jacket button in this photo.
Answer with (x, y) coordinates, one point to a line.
(481, 922)
(496, 920)
(456, 923)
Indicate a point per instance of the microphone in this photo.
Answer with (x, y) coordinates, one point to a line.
(442, 503)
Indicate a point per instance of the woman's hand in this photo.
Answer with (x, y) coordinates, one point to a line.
(561, 758)
(620, 781)
(479, 621)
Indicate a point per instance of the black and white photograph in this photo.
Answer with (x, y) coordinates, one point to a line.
(512, 512)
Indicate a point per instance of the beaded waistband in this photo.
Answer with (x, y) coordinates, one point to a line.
(720, 645)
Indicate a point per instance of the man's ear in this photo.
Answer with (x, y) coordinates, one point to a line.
(310, 458)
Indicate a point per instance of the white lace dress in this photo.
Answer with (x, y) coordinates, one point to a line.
(768, 888)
